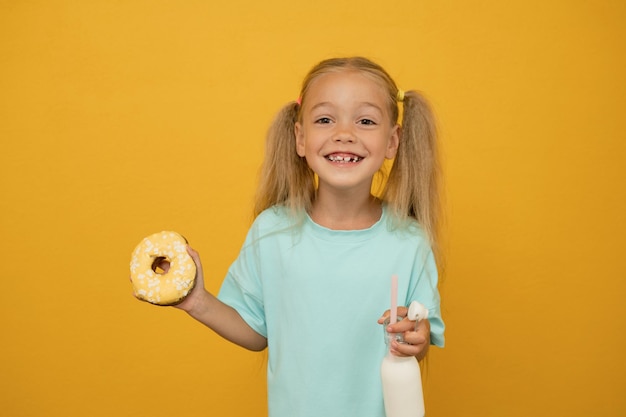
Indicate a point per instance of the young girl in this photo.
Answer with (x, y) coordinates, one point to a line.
(313, 275)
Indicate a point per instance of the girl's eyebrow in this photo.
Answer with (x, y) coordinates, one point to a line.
(364, 104)
(322, 104)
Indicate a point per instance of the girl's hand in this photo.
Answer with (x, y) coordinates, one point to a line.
(417, 338)
(198, 291)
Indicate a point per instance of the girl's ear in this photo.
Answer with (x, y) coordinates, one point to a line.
(299, 139)
(394, 142)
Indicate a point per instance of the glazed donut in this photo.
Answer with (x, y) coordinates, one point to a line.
(158, 286)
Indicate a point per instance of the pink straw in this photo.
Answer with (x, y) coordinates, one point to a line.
(393, 318)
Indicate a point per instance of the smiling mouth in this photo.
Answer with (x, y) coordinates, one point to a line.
(344, 159)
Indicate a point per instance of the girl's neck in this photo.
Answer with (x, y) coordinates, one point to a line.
(346, 212)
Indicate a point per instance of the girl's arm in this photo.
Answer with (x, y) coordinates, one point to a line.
(219, 317)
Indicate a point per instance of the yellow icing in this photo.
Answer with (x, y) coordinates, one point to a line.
(166, 288)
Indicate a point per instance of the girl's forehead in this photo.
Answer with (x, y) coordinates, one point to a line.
(358, 82)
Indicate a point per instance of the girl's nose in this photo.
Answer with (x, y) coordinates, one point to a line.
(344, 135)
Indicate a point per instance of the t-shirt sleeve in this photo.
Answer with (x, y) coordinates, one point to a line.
(242, 287)
(425, 292)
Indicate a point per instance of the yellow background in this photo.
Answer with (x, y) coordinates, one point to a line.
(122, 118)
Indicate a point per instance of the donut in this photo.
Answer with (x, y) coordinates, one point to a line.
(168, 286)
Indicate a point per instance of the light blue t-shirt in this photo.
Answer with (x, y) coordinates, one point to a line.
(316, 295)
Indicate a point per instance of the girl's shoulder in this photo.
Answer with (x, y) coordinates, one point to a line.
(276, 218)
(274, 214)
(408, 226)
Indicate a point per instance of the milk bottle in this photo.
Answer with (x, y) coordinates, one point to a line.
(401, 379)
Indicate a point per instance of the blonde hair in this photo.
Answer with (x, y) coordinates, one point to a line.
(412, 189)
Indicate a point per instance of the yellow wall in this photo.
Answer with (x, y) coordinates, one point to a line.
(119, 119)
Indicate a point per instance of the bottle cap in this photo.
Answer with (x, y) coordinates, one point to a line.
(417, 312)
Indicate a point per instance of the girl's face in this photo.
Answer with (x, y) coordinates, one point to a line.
(346, 132)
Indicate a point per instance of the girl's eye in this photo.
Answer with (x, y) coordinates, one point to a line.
(367, 122)
(323, 120)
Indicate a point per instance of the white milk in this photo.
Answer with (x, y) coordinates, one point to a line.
(401, 378)
(402, 386)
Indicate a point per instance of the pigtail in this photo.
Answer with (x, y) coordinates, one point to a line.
(285, 177)
(413, 186)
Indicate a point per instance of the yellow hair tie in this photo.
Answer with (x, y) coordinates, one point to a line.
(400, 95)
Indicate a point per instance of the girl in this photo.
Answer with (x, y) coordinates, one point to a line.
(314, 272)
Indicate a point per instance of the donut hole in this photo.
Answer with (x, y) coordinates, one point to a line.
(161, 265)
